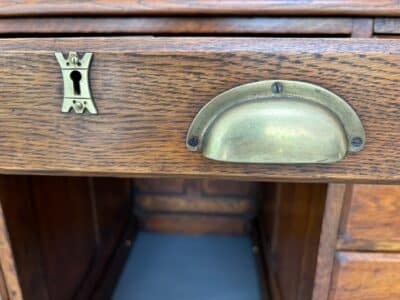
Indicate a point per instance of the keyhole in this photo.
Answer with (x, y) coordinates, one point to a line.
(76, 78)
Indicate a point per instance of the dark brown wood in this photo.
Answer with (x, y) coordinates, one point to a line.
(297, 211)
(371, 219)
(63, 232)
(115, 265)
(114, 226)
(19, 212)
(64, 218)
(336, 196)
(192, 224)
(177, 25)
(149, 89)
(366, 276)
(258, 245)
(254, 7)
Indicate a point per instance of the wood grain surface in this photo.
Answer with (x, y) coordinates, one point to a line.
(195, 205)
(336, 196)
(387, 26)
(148, 90)
(196, 196)
(63, 232)
(129, 7)
(291, 218)
(177, 25)
(11, 285)
(366, 276)
(370, 219)
(192, 224)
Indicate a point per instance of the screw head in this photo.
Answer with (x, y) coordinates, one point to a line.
(357, 142)
(74, 59)
(79, 105)
(277, 87)
(193, 141)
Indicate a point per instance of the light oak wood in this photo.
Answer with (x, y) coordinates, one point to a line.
(370, 219)
(3, 287)
(366, 276)
(149, 89)
(255, 7)
(7, 264)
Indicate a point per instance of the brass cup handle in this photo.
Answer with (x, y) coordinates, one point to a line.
(276, 121)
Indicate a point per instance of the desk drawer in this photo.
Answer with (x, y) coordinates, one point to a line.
(371, 218)
(366, 276)
(148, 90)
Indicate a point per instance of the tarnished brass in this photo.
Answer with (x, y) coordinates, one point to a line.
(75, 71)
(276, 121)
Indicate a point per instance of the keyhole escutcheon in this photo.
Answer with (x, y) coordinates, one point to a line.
(76, 77)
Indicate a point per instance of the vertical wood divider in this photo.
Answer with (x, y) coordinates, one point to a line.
(336, 195)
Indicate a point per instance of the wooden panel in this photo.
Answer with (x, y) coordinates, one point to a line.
(158, 85)
(64, 219)
(197, 196)
(366, 276)
(20, 216)
(10, 283)
(335, 199)
(192, 224)
(371, 219)
(362, 27)
(174, 25)
(3, 287)
(294, 236)
(114, 226)
(387, 26)
(125, 7)
(112, 205)
(195, 206)
(63, 232)
(115, 265)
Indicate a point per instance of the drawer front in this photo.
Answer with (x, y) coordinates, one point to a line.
(148, 90)
(366, 276)
(371, 218)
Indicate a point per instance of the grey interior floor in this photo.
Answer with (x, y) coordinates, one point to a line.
(182, 267)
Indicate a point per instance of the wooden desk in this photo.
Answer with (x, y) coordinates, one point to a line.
(155, 64)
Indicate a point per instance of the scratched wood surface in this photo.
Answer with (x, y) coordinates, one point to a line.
(129, 7)
(366, 276)
(148, 90)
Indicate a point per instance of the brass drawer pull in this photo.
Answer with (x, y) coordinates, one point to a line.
(276, 122)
